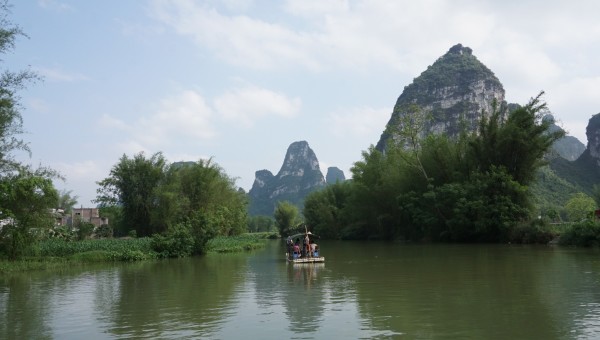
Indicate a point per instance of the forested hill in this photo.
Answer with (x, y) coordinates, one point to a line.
(454, 90)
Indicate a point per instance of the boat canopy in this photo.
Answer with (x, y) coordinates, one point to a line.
(301, 236)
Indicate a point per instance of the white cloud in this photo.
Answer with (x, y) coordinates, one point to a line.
(184, 157)
(38, 105)
(81, 177)
(240, 39)
(55, 5)
(57, 75)
(247, 104)
(110, 122)
(312, 8)
(575, 102)
(81, 170)
(359, 122)
(185, 115)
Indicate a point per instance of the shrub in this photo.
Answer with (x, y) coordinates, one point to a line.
(585, 234)
(95, 256)
(536, 231)
(62, 248)
(133, 255)
(104, 231)
(62, 232)
(177, 242)
(239, 243)
(84, 230)
(15, 241)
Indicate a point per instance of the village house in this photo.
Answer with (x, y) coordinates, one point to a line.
(91, 215)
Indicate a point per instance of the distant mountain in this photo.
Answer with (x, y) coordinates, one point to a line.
(454, 90)
(299, 175)
(568, 147)
(584, 172)
(334, 175)
(457, 90)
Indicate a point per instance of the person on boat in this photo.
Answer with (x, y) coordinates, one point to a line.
(289, 247)
(307, 244)
(297, 247)
(313, 249)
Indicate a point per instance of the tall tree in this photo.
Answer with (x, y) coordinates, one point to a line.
(286, 217)
(66, 202)
(25, 199)
(132, 184)
(580, 206)
(26, 195)
(11, 121)
(517, 144)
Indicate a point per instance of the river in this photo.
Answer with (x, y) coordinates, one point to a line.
(369, 290)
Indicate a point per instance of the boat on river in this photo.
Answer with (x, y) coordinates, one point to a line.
(299, 251)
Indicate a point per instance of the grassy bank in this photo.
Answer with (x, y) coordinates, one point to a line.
(56, 253)
(243, 242)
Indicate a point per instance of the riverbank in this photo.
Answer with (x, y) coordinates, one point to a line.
(56, 253)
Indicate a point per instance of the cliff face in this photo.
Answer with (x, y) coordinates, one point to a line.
(584, 172)
(453, 91)
(334, 175)
(592, 133)
(568, 147)
(299, 175)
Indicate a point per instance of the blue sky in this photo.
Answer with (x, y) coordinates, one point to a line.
(240, 80)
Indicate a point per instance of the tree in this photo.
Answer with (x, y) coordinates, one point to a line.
(11, 121)
(66, 202)
(260, 223)
(324, 210)
(204, 188)
(132, 184)
(518, 144)
(471, 188)
(26, 199)
(410, 128)
(152, 197)
(580, 206)
(26, 195)
(286, 217)
(596, 194)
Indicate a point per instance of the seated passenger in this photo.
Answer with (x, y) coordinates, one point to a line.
(314, 249)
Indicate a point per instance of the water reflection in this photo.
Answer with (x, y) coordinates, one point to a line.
(176, 298)
(23, 315)
(381, 291)
(305, 297)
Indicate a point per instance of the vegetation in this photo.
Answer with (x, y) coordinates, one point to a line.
(580, 207)
(286, 217)
(585, 233)
(261, 223)
(187, 201)
(26, 194)
(66, 202)
(474, 188)
(243, 242)
(56, 253)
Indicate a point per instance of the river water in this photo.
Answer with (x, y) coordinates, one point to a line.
(368, 290)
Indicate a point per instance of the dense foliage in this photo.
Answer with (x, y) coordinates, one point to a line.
(472, 188)
(184, 205)
(261, 223)
(286, 217)
(26, 195)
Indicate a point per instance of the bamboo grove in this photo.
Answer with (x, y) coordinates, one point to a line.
(472, 188)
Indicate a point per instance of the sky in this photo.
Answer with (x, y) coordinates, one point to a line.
(238, 81)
